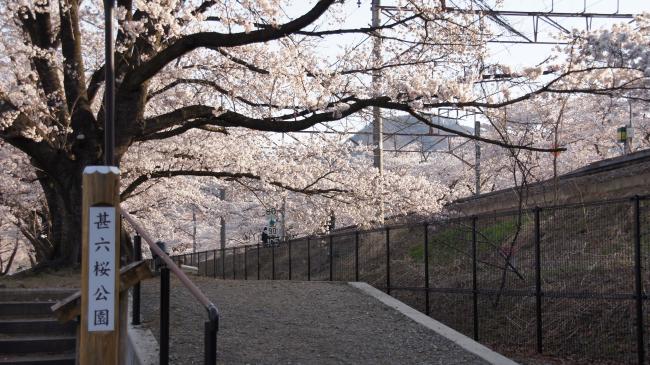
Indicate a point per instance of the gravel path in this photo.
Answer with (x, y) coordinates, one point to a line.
(282, 322)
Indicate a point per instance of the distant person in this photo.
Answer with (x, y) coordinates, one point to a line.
(265, 237)
(158, 263)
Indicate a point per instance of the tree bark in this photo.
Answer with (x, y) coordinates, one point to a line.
(63, 196)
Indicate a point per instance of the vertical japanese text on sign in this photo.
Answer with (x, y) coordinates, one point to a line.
(101, 261)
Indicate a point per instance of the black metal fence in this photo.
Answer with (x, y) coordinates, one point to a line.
(567, 281)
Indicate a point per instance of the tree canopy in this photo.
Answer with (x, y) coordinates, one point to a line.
(189, 74)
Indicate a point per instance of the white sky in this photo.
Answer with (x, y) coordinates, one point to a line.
(526, 55)
(512, 54)
(516, 55)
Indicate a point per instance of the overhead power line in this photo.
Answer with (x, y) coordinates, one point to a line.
(550, 18)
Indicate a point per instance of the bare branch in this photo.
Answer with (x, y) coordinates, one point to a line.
(96, 80)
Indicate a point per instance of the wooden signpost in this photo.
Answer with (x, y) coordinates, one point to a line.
(99, 339)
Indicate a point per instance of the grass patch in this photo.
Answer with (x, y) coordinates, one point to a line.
(456, 239)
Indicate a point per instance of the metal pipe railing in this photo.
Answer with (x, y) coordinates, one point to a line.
(135, 312)
(212, 325)
(164, 315)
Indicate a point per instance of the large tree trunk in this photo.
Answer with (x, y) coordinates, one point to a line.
(61, 182)
(63, 195)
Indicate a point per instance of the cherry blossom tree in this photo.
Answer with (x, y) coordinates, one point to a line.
(198, 69)
(312, 180)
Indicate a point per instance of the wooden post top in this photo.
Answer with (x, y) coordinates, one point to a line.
(101, 170)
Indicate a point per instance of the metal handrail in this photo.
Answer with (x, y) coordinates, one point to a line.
(198, 294)
(212, 325)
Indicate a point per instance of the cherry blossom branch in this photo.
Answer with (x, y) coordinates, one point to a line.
(199, 123)
(73, 70)
(241, 62)
(38, 27)
(215, 86)
(128, 191)
(233, 119)
(547, 88)
(307, 118)
(364, 30)
(41, 152)
(216, 40)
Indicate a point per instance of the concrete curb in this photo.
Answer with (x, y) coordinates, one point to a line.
(143, 347)
(190, 269)
(454, 336)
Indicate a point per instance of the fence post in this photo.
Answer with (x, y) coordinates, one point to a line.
(207, 253)
(388, 260)
(356, 256)
(426, 267)
(223, 263)
(538, 280)
(245, 263)
(272, 261)
(164, 315)
(214, 263)
(234, 263)
(210, 343)
(205, 263)
(474, 281)
(637, 281)
(289, 243)
(331, 258)
(258, 261)
(135, 310)
(308, 260)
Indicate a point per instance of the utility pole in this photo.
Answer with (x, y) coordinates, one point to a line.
(377, 125)
(109, 90)
(194, 229)
(630, 131)
(222, 221)
(477, 158)
(283, 227)
(102, 330)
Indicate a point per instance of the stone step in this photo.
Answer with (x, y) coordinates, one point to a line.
(64, 358)
(37, 344)
(20, 309)
(29, 333)
(36, 326)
